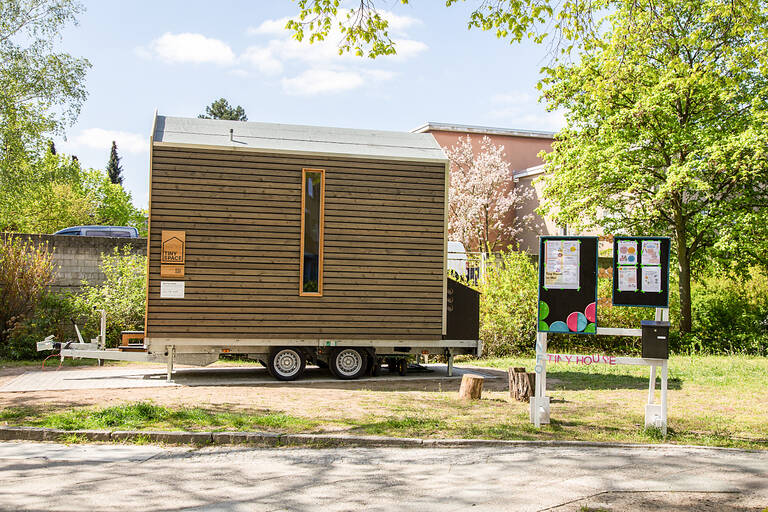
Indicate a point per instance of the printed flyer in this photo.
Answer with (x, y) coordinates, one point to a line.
(627, 252)
(651, 252)
(561, 264)
(628, 279)
(651, 279)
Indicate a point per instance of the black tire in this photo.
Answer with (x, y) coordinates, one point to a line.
(376, 368)
(348, 363)
(287, 363)
(402, 366)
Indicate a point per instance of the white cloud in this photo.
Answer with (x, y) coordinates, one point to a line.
(262, 59)
(318, 81)
(269, 27)
(99, 138)
(189, 48)
(399, 23)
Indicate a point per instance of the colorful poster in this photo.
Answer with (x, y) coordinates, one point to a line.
(627, 252)
(651, 279)
(561, 264)
(628, 279)
(651, 252)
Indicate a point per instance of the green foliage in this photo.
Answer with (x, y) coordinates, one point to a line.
(25, 271)
(53, 315)
(58, 193)
(364, 30)
(508, 305)
(122, 295)
(41, 89)
(221, 109)
(730, 315)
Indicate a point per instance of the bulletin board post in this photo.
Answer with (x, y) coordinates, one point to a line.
(582, 319)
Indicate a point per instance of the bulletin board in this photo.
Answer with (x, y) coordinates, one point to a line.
(568, 284)
(641, 271)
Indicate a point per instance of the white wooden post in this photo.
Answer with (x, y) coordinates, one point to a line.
(540, 404)
(664, 375)
(652, 385)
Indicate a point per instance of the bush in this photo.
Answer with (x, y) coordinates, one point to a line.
(730, 315)
(122, 295)
(54, 315)
(25, 271)
(508, 305)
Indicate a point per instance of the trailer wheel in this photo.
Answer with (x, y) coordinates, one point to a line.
(402, 366)
(287, 363)
(348, 363)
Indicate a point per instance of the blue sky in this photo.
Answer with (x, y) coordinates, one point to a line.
(178, 57)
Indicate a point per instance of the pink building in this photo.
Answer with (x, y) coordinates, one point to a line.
(522, 148)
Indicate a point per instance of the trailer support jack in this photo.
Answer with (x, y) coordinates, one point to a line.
(171, 354)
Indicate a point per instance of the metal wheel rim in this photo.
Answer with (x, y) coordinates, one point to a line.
(349, 362)
(287, 363)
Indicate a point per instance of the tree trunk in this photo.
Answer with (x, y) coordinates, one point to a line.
(683, 268)
(471, 387)
(521, 384)
(684, 287)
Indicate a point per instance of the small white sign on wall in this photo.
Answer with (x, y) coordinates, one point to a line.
(171, 289)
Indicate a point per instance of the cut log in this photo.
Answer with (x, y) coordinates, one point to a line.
(471, 387)
(521, 384)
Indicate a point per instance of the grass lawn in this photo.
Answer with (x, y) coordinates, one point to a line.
(715, 400)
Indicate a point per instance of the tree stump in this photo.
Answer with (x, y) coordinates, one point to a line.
(521, 384)
(471, 387)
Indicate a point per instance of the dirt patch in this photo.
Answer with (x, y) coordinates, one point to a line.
(350, 400)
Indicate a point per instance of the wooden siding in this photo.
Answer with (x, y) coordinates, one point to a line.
(241, 211)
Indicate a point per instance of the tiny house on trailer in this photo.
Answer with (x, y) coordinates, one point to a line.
(294, 244)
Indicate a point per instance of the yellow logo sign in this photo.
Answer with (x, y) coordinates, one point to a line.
(173, 247)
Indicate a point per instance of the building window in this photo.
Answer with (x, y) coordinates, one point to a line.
(312, 205)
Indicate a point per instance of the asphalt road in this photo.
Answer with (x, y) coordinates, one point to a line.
(36, 476)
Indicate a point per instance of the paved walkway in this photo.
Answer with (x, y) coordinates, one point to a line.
(114, 477)
(127, 377)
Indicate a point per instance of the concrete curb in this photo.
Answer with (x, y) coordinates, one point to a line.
(271, 439)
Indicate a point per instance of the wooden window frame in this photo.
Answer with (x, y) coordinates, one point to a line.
(321, 234)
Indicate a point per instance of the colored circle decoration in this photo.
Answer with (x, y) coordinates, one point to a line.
(591, 328)
(543, 326)
(631, 257)
(591, 312)
(543, 310)
(576, 321)
(558, 326)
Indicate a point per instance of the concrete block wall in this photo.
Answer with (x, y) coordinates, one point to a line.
(77, 258)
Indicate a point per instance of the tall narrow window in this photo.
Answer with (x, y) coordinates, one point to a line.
(312, 204)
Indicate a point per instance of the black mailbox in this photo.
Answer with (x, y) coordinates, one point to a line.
(655, 339)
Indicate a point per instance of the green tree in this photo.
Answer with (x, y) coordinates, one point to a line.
(59, 193)
(41, 89)
(221, 109)
(666, 129)
(114, 169)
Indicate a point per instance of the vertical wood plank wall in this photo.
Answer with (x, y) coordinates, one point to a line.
(383, 257)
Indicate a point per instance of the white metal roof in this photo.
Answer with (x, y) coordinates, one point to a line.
(485, 130)
(297, 139)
